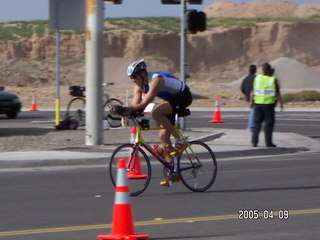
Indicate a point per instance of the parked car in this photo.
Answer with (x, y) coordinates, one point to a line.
(10, 104)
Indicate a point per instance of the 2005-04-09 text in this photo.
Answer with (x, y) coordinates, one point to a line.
(265, 214)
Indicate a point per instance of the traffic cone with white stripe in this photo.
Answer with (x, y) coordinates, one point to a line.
(217, 114)
(33, 104)
(133, 133)
(134, 159)
(122, 226)
(135, 170)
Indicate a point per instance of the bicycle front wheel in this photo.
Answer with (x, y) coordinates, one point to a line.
(76, 109)
(138, 167)
(197, 166)
(114, 120)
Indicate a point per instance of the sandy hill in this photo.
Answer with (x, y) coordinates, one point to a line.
(293, 76)
(264, 8)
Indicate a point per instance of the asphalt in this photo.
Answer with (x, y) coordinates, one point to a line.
(226, 144)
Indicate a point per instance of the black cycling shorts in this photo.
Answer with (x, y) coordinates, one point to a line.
(179, 102)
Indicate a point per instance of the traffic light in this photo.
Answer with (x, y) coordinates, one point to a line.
(195, 1)
(170, 1)
(178, 1)
(114, 1)
(196, 21)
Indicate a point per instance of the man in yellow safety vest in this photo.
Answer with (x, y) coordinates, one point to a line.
(264, 98)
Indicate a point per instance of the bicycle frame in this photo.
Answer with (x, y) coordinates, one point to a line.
(139, 141)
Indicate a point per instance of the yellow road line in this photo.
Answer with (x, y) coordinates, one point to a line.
(143, 223)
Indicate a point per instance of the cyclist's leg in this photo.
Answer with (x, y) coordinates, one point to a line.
(161, 111)
(160, 114)
(170, 176)
(164, 136)
(165, 115)
(178, 103)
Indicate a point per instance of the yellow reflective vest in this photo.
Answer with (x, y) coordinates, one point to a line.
(264, 89)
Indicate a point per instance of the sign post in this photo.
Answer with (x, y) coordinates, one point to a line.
(57, 105)
(64, 14)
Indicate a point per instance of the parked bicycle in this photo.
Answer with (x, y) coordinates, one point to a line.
(196, 166)
(76, 106)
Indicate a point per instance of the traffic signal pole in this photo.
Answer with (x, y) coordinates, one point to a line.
(183, 63)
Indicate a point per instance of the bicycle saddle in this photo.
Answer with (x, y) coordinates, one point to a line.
(183, 112)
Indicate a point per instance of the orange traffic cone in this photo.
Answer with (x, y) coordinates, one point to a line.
(217, 114)
(133, 133)
(33, 104)
(134, 159)
(122, 226)
(135, 170)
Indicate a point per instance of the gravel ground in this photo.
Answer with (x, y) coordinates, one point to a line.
(41, 137)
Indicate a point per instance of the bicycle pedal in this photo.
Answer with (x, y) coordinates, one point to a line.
(176, 179)
(166, 183)
(174, 153)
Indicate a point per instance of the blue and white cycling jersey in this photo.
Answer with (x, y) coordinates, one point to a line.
(172, 85)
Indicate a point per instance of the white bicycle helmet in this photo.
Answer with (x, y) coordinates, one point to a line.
(136, 67)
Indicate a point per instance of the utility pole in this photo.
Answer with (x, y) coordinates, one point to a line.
(183, 63)
(94, 71)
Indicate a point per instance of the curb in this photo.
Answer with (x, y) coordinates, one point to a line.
(259, 152)
(97, 159)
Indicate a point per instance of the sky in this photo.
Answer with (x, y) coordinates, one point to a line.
(26, 10)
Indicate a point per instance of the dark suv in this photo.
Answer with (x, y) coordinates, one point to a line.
(10, 104)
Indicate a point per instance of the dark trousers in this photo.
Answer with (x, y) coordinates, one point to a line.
(263, 113)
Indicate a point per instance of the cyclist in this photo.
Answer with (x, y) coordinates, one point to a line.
(175, 95)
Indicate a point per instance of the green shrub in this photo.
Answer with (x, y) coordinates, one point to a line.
(65, 61)
(149, 24)
(302, 96)
(25, 29)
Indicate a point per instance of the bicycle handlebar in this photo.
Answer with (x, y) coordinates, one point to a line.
(125, 112)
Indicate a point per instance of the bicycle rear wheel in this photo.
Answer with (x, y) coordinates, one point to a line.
(76, 109)
(138, 167)
(197, 166)
(114, 120)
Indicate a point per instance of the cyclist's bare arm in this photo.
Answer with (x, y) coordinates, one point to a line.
(138, 103)
(137, 95)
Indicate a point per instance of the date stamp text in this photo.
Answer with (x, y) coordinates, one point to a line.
(254, 214)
